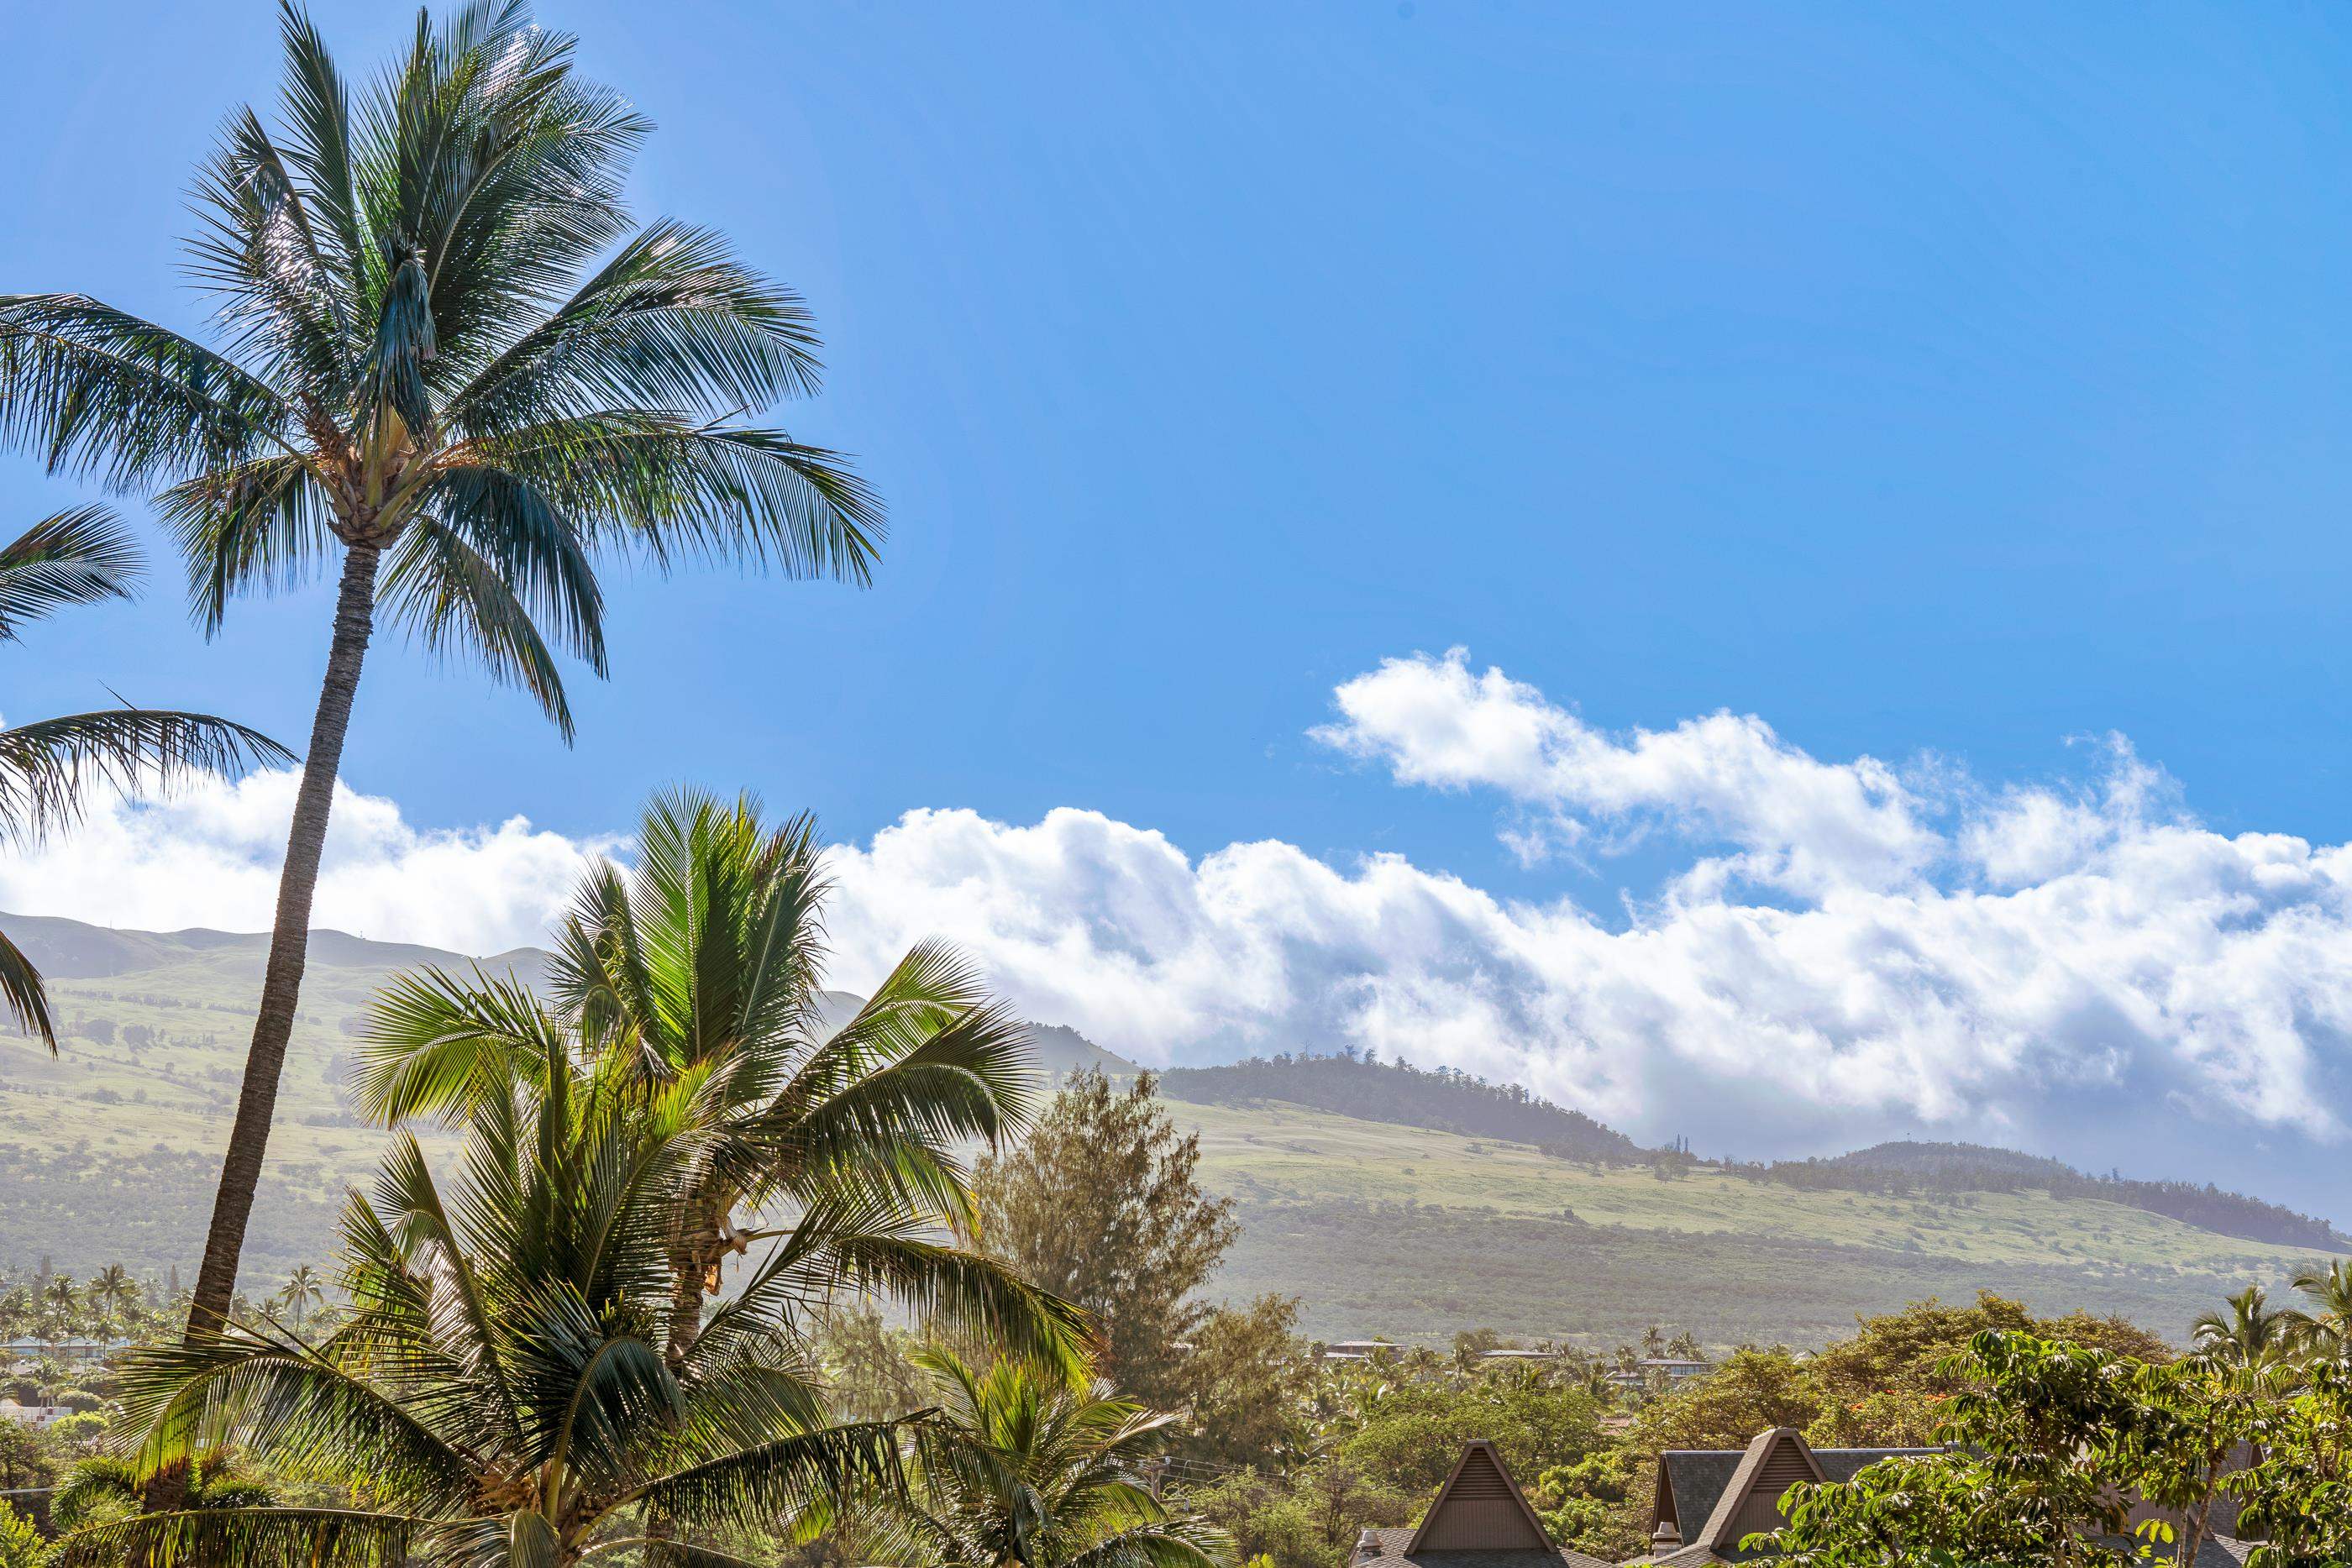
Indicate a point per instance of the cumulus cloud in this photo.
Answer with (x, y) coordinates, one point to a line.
(209, 855)
(1845, 949)
(1794, 822)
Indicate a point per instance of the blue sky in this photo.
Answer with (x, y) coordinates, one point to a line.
(1949, 382)
(1959, 383)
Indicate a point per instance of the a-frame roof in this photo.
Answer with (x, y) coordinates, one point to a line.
(1475, 1475)
(1721, 1534)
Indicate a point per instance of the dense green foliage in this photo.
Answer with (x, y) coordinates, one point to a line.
(1103, 1207)
(1398, 1092)
(1925, 1167)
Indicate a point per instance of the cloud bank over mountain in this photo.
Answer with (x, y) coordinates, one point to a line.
(1844, 949)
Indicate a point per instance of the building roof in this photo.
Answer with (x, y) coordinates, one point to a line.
(1479, 1519)
(1391, 1549)
(1712, 1498)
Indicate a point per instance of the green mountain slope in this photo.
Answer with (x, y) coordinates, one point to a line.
(1413, 1233)
(108, 1153)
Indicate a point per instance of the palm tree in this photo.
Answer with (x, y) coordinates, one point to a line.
(301, 1291)
(64, 1298)
(2253, 1335)
(1023, 1469)
(426, 379)
(50, 767)
(103, 1489)
(2330, 1292)
(696, 974)
(111, 1290)
(499, 1386)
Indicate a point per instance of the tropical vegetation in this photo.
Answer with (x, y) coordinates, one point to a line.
(450, 368)
(49, 768)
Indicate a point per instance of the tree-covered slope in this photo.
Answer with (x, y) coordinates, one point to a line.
(1399, 1092)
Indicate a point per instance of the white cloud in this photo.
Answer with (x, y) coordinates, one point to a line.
(1844, 951)
(1796, 822)
(209, 855)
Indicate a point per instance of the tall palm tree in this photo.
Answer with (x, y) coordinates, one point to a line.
(448, 368)
(2329, 1291)
(302, 1290)
(50, 767)
(696, 973)
(1023, 1469)
(500, 1384)
(2253, 1335)
(64, 1298)
(111, 1290)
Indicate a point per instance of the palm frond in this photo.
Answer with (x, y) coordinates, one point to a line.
(675, 491)
(435, 1044)
(75, 557)
(249, 1537)
(23, 995)
(49, 768)
(260, 524)
(459, 604)
(92, 389)
(673, 321)
(795, 1477)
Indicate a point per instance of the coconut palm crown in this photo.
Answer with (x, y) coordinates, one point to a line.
(2253, 1335)
(498, 1392)
(447, 364)
(695, 976)
(1024, 1470)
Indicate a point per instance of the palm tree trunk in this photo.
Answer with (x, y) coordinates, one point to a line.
(290, 938)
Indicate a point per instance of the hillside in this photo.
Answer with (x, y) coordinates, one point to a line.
(1400, 1093)
(1414, 1218)
(1932, 1167)
(1413, 1233)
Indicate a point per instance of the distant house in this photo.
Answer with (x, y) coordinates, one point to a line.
(73, 1352)
(1479, 1520)
(1360, 1349)
(1674, 1369)
(1485, 1355)
(33, 1416)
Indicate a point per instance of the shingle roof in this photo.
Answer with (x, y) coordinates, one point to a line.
(1393, 1554)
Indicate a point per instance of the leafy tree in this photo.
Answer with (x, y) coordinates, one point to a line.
(50, 767)
(1025, 1469)
(1250, 1374)
(21, 1545)
(869, 1365)
(1584, 1504)
(1307, 1519)
(447, 370)
(1104, 1207)
(690, 982)
(499, 1387)
(1891, 1384)
(2027, 1485)
(1412, 1439)
(2297, 1499)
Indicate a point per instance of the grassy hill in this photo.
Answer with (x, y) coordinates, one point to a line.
(108, 1153)
(1413, 1232)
